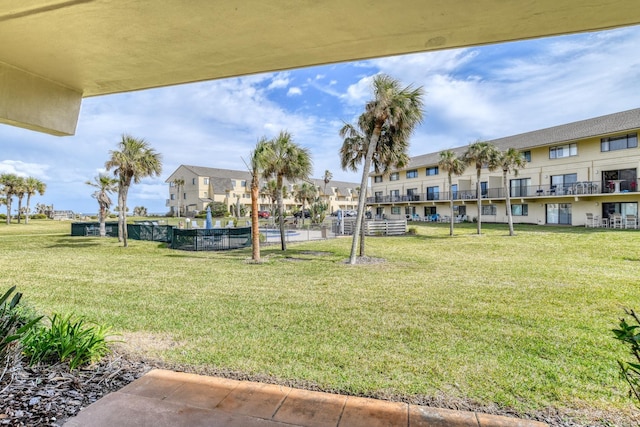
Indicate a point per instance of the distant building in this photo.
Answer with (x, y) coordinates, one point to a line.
(203, 185)
(573, 172)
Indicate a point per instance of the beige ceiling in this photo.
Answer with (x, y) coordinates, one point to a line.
(55, 52)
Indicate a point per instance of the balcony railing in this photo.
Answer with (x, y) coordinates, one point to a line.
(572, 189)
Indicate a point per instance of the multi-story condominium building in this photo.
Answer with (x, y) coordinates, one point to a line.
(203, 185)
(586, 167)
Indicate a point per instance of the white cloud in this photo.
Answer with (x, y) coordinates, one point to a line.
(279, 81)
(294, 91)
(24, 169)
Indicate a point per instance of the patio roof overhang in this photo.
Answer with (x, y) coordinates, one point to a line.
(55, 52)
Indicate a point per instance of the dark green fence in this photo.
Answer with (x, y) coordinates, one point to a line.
(93, 228)
(213, 239)
(152, 232)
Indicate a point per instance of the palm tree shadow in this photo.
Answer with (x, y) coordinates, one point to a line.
(73, 243)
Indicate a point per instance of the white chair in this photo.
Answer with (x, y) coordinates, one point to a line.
(630, 221)
(589, 222)
(217, 224)
(194, 224)
(230, 223)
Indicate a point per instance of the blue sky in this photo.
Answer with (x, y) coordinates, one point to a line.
(474, 93)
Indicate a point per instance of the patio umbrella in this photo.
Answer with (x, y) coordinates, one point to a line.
(208, 224)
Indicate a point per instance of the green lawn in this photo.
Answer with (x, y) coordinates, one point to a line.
(523, 322)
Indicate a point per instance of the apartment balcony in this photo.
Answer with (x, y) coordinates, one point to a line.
(577, 189)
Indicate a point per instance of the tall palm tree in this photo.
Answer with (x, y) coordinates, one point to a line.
(256, 165)
(9, 182)
(286, 160)
(270, 191)
(510, 160)
(451, 164)
(305, 193)
(20, 191)
(105, 185)
(327, 178)
(384, 131)
(179, 183)
(480, 154)
(33, 186)
(133, 161)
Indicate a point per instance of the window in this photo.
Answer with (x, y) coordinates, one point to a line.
(194, 180)
(206, 181)
(412, 194)
(520, 210)
(489, 210)
(520, 187)
(377, 178)
(233, 183)
(454, 191)
(620, 208)
(619, 142)
(433, 193)
(173, 197)
(526, 155)
(627, 180)
(561, 151)
(561, 183)
(395, 210)
(394, 176)
(484, 188)
(172, 184)
(184, 196)
(243, 183)
(378, 196)
(432, 171)
(395, 195)
(559, 213)
(412, 173)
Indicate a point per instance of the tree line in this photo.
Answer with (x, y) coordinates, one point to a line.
(12, 185)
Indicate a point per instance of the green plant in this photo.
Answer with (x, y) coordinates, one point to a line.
(630, 370)
(67, 339)
(412, 231)
(14, 323)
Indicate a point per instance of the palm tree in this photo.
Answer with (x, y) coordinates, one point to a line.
(33, 186)
(270, 191)
(304, 193)
(105, 185)
(256, 165)
(384, 131)
(480, 154)
(451, 164)
(179, 183)
(285, 160)
(135, 160)
(20, 190)
(9, 182)
(327, 178)
(510, 160)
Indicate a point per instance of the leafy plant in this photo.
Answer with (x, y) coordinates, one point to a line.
(14, 323)
(630, 370)
(67, 339)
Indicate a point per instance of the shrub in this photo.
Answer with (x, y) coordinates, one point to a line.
(39, 216)
(412, 231)
(67, 339)
(14, 323)
(629, 335)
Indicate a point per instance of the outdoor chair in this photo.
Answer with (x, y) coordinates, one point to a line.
(630, 221)
(230, 223)
(589, 222)
(217, 224)
(194, 224)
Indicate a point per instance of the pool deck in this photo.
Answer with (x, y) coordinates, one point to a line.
(164, 398)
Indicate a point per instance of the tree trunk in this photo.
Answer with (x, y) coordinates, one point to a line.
(373, 142)
(125, 234)
(26, 217)
(103, 227)
(255, 231)
(19, 209)
(479, 195)
(120, 214)
(450, 207)
(508, 198)
(9, 197)
(362, 236)
(283, 242)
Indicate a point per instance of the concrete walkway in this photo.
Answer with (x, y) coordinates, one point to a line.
(170, 399)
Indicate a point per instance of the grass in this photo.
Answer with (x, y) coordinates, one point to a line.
(523, 322)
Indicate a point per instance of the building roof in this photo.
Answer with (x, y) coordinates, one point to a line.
(570, 132)
(64, 50)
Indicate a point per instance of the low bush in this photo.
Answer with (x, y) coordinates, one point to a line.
(39, 216)
(628, 334)
(14, 323)
(67, 339)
